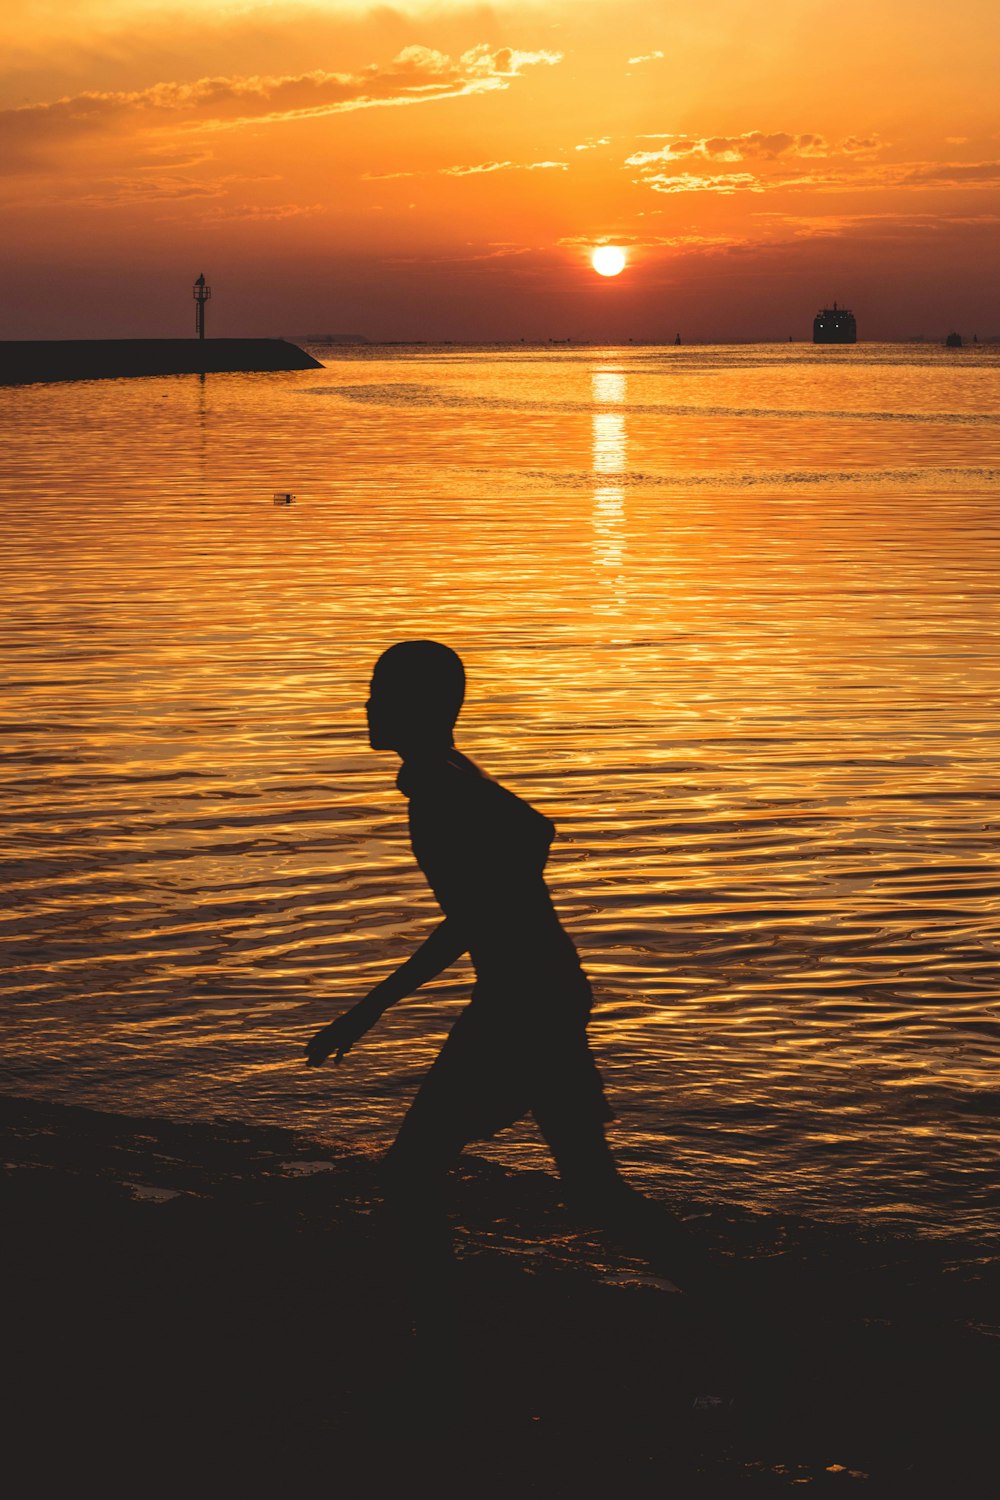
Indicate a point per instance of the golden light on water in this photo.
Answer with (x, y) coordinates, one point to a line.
(728, 618)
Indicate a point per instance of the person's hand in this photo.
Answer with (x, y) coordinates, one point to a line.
(339, 1037)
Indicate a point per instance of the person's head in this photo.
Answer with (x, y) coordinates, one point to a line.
(416, 692)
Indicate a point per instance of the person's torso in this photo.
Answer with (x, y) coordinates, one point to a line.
(483, 852)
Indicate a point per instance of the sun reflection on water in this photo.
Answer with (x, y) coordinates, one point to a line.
(609, 457)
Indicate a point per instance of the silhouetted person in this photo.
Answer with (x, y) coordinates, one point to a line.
(521, 1043)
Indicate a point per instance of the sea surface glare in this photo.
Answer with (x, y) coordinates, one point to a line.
(730, 617)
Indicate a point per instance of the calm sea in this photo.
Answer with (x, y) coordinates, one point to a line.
(730, 617)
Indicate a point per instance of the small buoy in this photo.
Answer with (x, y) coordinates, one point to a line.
(283, 498)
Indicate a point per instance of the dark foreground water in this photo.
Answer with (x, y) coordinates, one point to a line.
(730, 617)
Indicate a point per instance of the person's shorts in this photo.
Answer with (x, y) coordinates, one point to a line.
(496, 1067)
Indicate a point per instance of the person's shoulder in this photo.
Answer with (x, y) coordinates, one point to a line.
(514, 818)
(452, 785)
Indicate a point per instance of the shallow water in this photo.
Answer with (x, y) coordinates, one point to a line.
(730, 617)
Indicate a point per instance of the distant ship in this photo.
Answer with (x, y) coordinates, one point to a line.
(835, 325)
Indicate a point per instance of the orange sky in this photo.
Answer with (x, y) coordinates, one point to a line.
(442, 170)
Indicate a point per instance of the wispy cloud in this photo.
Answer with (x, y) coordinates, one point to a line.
(417, 75)
(690, 240)
(502, 250)
(644, 57)
(905, 176)
(124, 192)
(885, 228)
(795, 162)
(952, 173)
(478, 169)
(756, 145)
(693, 182)
(831, 178)
(260, 213)
(150, 187)
(504, 166)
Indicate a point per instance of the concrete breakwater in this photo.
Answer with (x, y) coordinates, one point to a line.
(25, 361)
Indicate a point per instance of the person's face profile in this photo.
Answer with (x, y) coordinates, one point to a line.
(389, 713)
(378, 716)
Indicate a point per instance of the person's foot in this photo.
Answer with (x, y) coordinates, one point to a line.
(667, 1244)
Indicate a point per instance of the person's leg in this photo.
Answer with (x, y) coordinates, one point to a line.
(592, 1185)
(596, 1193)
(571, 1111)
(463, 1098)
(569, 1106)
(414, 1176)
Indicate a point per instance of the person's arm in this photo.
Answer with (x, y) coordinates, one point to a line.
(435, 954)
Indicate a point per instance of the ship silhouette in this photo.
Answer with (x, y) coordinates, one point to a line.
(835, 325)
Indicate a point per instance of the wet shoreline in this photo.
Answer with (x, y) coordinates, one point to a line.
(222, 1303)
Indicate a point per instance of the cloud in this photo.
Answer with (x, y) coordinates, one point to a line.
(755, 145)
(644, 57)
(905, 176)
(873, 177)
(952, 174)
(124, 192)
(686, 241)
(152, 186)
(883, 228)
(260, 213)
(504, 166)
(603, 140)
(480, 167)
(854, 145)
(795, 163)
(691, 182)
(475, 169)
(417, 75)
(492, 250)
(502, 250)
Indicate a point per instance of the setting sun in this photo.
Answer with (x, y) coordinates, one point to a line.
(608, 260)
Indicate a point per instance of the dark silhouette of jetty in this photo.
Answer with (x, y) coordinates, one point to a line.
(835, 325)
(23, 362)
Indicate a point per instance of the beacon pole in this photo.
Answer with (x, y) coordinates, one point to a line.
(201, 296)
